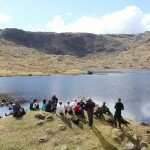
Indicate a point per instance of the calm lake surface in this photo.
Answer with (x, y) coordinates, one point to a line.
(132, 86)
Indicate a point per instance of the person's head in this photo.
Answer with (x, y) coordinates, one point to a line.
(75, 100)
(54, 96)
(119, 99)
(16, 102)
(78, 103)
(89, 99)
(60, 103)
(35, 101)
(96, 105)
(68, 103)
(44, 101)
(104, 103)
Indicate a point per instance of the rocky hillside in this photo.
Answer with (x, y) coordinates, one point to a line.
(76, 44)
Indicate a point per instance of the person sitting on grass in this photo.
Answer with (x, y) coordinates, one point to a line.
(44, 105)
(54, 101)
(105, 109)
(60, 110)
(50, 106)
(78, 110)
(17, 110)
(68, 108)
(34, 105)
(98, 111)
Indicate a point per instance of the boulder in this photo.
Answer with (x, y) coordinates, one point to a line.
(49, 118)
(40, 116)
(148, 131)
(144, 124)
(130, 146)
(1, 104)
(4, 100)
(89, 72)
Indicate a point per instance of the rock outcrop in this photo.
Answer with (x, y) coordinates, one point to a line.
(77, 44)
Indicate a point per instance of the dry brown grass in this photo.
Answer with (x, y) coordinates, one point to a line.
(19, 60)
(24, 134)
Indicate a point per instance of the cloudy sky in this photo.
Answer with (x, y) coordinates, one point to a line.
(93, 16)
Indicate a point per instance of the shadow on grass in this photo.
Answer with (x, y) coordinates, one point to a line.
(83, 119)
(131, 138)
(105, 144)
(65, 120)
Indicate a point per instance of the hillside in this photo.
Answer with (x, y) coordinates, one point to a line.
(77, 44)
(38, 53)
(60, 134)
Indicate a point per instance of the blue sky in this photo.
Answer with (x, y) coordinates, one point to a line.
(76, 15)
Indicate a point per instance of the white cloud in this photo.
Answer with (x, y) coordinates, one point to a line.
(4, 18)
(129, 20)
(69, 14)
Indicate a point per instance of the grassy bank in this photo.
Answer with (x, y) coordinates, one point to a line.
(30, 133)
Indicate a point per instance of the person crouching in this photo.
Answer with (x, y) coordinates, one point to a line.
(18, 111)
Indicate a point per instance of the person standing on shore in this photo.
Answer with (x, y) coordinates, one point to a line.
(119, 107)
(89, 107)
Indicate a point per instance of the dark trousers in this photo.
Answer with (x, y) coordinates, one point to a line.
(117, 117)
(90, 118)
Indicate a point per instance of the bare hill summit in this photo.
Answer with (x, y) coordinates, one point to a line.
(77, 44)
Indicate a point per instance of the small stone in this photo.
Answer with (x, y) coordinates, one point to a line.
(49, 131)
(144, 148)
(64, 147)
(43, 139)
(94, 148)
(40, 123)
(130, 146)
(62, 127)
(118, 137)
(143, 144)
(40, 116)
(49, 118)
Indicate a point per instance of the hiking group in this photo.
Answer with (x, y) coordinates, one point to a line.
(77, 109)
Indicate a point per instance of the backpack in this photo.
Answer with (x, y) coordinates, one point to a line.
(75, 120)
